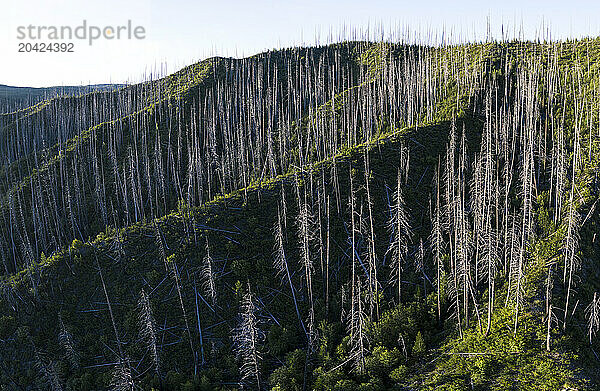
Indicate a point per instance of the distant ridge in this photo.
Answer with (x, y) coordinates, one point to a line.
(12, 97)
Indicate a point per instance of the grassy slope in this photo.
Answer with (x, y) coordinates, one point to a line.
(238, 228)
(239, 232)
(233, 227)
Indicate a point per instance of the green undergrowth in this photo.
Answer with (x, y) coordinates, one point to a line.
(409, 348)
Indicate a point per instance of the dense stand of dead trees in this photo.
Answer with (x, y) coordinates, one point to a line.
(261, 117)
(116, 160)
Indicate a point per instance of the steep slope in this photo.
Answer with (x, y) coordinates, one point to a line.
(124, 170)
(169, 254)
(381, 217)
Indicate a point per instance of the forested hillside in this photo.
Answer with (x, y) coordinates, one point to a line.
(13, 98)
(360, 215)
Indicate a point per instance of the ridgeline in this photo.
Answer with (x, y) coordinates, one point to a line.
(362, 215)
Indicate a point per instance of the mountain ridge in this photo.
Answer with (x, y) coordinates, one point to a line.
(303, 263)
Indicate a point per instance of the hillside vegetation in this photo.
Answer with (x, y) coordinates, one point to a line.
(13, 98)
(361, 215)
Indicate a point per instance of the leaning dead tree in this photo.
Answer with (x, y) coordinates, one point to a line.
(282, 267)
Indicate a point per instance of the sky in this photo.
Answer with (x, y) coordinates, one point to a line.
(181, 32)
